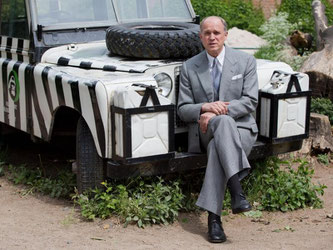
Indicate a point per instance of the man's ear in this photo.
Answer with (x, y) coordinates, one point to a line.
(201, 36)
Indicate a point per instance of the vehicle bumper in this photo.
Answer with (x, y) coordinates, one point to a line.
(187, 161)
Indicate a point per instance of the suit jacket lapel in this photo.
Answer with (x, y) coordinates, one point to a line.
(228, 70)
(204, 75)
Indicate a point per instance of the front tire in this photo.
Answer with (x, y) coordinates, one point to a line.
(90, 166)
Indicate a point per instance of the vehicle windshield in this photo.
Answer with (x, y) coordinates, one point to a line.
(152, 9)
(56, 12)
(95, 13)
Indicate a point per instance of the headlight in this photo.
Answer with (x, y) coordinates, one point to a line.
(164, 82)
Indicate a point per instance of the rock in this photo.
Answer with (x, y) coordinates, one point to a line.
(244, 40)
(321, 62)
(320, 135)
(319, 67)
(287, 53)
(320, 84)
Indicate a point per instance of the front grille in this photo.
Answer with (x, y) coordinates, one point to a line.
(179, 123)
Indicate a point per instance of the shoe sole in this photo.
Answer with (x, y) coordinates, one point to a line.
(217, 241)
(239, 210)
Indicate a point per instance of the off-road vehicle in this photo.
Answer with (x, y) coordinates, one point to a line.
(108, 72)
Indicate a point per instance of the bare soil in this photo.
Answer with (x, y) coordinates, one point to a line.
(39, 222)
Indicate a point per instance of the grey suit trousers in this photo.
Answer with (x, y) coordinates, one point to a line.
(227, 149)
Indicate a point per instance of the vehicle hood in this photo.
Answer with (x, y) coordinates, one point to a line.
(96, 56)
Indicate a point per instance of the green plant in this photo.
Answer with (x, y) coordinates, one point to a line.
(60, 186)
(295, 62)
(237, 13)
(146, 201)
(253, 214)
(323, 158)
(322, 106)
(287, 189)
(268, 52)
(142, 201)
(300, 12)
(277, 28)
(275, 31)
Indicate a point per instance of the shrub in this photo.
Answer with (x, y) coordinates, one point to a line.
(288, 189)
(142, 201)
(322, 106)
(277, 28)
(323, 158)
(267, 52)
(275, 31)
(61, 185)
(237, 13)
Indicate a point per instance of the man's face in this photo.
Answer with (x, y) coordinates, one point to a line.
(212, 36)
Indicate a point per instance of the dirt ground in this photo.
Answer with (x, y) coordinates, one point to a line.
(39, 222)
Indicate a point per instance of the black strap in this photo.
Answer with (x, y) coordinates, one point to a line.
(293, 82)
(150, 92)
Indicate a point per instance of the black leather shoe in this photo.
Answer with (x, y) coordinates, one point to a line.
(215, 230)
(239, 204)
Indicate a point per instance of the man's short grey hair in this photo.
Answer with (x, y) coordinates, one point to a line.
(225, 25)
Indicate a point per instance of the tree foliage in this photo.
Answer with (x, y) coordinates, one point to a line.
(237, 13)
(300, 12)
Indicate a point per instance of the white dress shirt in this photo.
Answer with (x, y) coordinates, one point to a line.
(220, 60)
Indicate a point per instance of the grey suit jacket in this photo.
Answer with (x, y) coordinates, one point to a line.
(239, 86)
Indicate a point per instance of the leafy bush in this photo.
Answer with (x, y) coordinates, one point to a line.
(322, 106)
(323, 158)
(237, 13)
(142, 201)
(268, 52)
(277, 189)
(146, 201)
(277, 28)
(60, 186)
(275, 31)
(300, 12)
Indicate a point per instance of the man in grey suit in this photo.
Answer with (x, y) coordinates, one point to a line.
(218, 92)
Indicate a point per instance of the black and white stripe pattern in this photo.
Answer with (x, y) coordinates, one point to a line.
(42, 91)
(64, 61)
(15, 48)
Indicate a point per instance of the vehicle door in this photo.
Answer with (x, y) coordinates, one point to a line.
(15, 63)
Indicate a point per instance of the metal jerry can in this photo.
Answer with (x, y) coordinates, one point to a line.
(284, 107)
(143, 124)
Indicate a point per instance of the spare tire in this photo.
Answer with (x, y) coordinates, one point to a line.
(154, 40)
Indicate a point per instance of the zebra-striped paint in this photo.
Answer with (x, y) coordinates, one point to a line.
(16, 49)
(42, 91)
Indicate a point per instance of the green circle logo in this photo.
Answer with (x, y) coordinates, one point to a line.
(14, 86)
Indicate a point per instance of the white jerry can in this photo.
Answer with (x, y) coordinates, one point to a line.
(284, 107)
(142, 124)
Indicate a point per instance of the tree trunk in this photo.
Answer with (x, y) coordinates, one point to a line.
(319, 65)
(321, 24)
